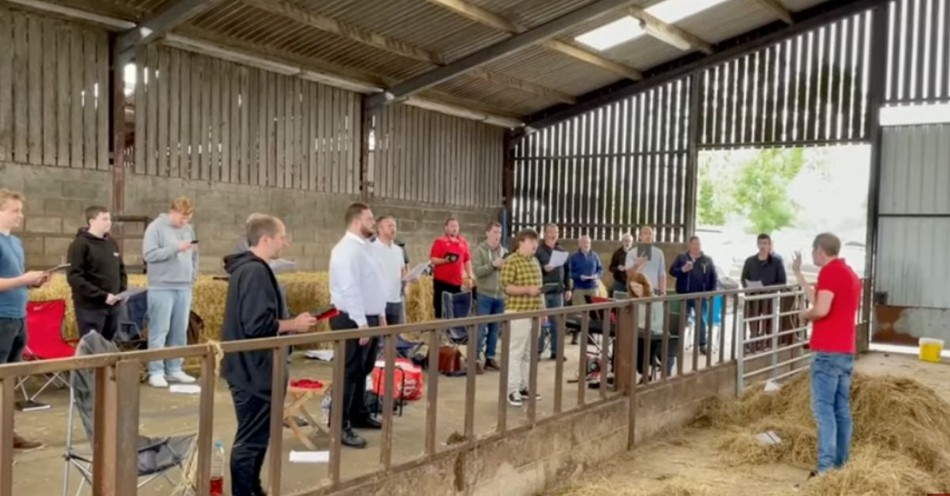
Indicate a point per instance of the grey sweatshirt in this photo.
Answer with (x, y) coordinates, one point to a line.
(168, 267)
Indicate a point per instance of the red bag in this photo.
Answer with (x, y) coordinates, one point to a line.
(407, 380)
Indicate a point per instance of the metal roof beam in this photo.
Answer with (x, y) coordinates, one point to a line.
(170, 16)
(776, 7)
(669, 33)
(495, 21)
(494, 52)
(751, 41)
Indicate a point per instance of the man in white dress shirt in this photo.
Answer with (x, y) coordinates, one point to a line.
(355, 291)
(392, 261)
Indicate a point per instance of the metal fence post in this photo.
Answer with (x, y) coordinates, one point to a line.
(740, 348)
(776, 320)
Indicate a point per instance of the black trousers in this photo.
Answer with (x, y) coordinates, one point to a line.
(360, 360)
(394, 313)
(105, 320)
(12, 340)
(439, 287)
(250, 442)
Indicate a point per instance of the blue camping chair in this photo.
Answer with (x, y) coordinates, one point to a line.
(457, 306)
(132, 315)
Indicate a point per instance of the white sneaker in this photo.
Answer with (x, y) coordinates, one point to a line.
(180, 377)
(157, 381)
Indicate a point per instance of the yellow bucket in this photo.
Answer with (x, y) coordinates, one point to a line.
(930, 349)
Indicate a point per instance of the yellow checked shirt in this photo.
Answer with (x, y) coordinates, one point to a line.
(519, 270)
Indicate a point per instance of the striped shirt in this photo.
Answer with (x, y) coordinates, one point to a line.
(522, 271)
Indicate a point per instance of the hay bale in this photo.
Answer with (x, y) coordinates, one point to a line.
(675, 486)
(306, 291)
(900, 432)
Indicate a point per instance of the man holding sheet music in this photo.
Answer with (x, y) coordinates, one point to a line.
(765, 268)
(96, 275)
(557, 278)
(15, 283)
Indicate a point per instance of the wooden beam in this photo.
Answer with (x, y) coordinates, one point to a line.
(168, 18)
(495, 21)
(668, 32)
(525, 86)
(344, 29)
(776, 7)
(594, 59)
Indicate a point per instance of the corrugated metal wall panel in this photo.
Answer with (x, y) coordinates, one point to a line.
(912, 261)
(915, 176)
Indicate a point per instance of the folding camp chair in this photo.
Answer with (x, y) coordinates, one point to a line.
(132, 315)
(44, 328)
(457, 306)
(156, 456)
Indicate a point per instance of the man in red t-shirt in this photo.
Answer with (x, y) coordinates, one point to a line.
(452, 265)
(835, 301)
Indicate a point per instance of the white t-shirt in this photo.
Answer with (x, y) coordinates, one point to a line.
(391, 259)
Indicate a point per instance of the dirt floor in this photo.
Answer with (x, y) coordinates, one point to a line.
(689, 463)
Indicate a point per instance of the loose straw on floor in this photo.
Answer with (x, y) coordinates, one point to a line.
(189, 469)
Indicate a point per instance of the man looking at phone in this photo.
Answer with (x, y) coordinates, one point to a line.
(648, 260)
(521, 277)
(254, 309)
(14, 288)
(170, 249)
(96, 275)
(356, 291)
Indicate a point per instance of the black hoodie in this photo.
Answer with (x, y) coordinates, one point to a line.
(95, 269)
(252, 310)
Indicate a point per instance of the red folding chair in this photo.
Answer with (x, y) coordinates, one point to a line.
(44, 330)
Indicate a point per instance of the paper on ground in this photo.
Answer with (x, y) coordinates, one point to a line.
(768, 438)
(185, 388)
(309, 456)
(558, 258)
(324, 355)
(416, 272)
(128, 293)
(772, 386)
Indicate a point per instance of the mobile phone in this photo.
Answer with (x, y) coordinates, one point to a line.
(325, 313)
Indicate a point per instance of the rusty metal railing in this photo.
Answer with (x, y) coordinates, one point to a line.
(116, 418)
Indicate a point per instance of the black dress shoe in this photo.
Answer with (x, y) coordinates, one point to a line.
(352, 439)
(367, 423)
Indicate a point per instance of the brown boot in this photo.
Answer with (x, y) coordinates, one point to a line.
(21, 443)
(491, 364)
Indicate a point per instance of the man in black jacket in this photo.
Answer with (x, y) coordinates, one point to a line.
(618, 264)
(96, 275)
(695, 272)
(253, 309)
(557, 281)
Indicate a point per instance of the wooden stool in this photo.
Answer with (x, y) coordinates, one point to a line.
(296, 404)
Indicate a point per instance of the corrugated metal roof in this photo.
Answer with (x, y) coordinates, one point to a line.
(434, 29)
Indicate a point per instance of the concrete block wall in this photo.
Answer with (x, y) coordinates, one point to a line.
(57, 197)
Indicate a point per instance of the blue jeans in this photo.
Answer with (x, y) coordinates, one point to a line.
(700, 319)
(552, 300)
(830, 403)
(489, 306)
(168, 310)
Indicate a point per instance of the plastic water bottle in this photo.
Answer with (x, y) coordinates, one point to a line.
(217, 469)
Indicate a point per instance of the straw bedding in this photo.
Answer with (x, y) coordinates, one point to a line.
(901, 443)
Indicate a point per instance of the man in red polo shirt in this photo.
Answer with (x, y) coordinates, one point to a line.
(835, 301)
(452, 264)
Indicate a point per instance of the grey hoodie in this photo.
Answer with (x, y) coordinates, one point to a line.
(168, 267)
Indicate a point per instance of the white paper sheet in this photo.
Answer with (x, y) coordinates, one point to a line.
(57, 268)
(281, 265)
(185, 388)
(324, 355)
(128, 293)
(416, 272)
(753, 284)
(309, 456)
(558, 258)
